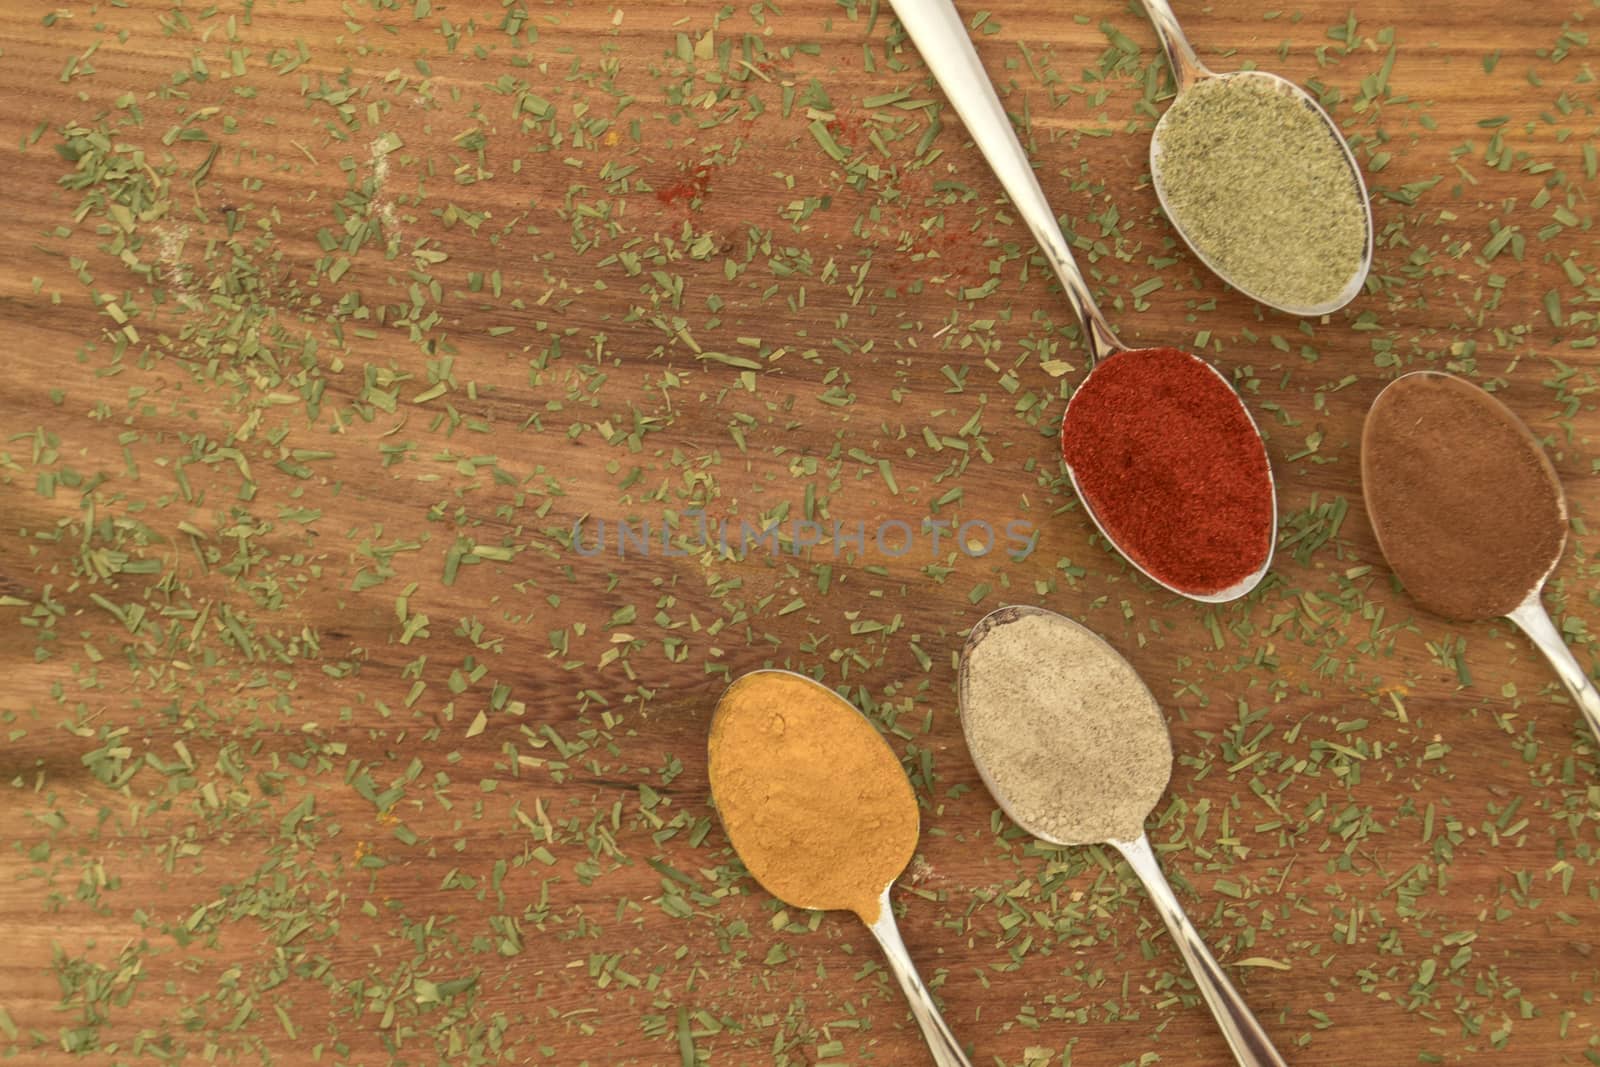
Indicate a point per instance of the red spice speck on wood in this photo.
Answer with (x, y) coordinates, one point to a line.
(847, 128)
(1168, 460)
(687, 189)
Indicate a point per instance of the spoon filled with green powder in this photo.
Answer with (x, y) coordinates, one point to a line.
(1257, 179)
(1075, 750)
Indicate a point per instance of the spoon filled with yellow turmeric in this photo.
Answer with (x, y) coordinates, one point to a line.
(818, 808)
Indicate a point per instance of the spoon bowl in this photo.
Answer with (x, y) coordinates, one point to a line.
(1057, 769)
(1103, 500)
(936, 28)
(1188, 72)
(750, 821)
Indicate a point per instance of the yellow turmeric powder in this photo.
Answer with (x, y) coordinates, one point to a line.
(811, 796)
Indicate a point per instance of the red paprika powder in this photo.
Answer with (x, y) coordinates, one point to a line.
(1165, 455)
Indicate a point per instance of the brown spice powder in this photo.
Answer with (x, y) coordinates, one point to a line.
(1466, 507)
(812, 797)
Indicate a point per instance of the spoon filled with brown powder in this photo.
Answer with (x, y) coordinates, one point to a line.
(1468, 511)
(1075, 750)
(820, 811)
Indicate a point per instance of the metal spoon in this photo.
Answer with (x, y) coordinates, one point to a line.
(1535, 622)
(942, 1043)
(1245, 1035)
(936, 29)
(1529, 613)
(1187, 71)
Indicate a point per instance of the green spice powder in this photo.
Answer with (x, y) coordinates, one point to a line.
(1262, 190)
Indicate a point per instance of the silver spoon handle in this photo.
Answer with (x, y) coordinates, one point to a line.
(1535, 622)
(936, 28)
(941, 1042)
(1249, 1041)
(1186, 66)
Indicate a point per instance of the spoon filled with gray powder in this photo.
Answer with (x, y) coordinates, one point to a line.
(1075, 750)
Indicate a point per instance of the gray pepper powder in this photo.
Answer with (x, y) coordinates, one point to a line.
(1064, 730)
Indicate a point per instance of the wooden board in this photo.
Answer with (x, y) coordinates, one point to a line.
(326, 323)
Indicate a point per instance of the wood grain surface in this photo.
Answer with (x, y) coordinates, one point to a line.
(324, 742)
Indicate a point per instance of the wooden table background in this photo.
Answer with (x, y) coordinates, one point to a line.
(323, 743)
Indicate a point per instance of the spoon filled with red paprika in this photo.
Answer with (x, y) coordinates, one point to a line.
(1158, 445)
